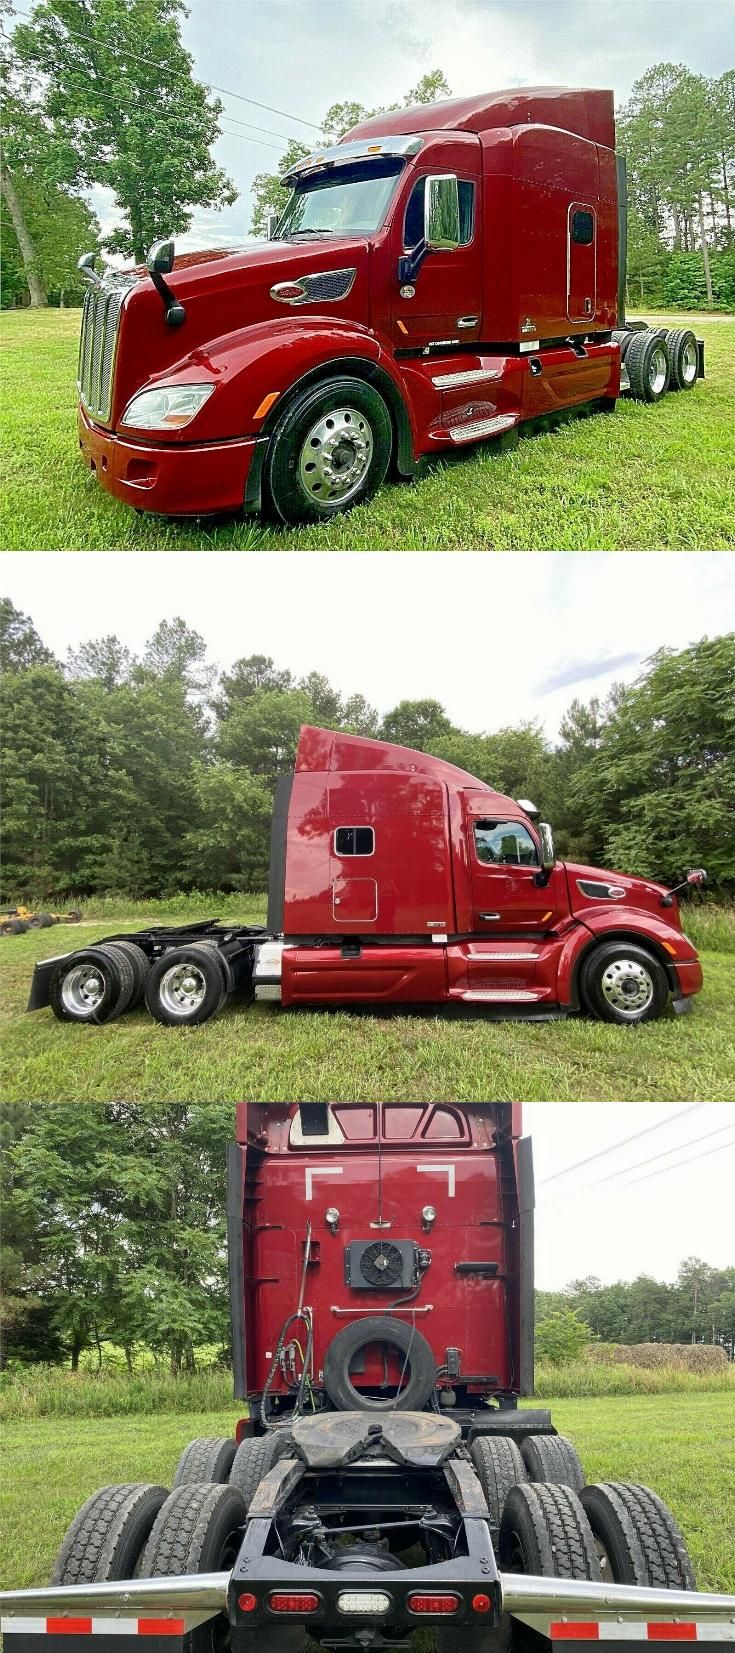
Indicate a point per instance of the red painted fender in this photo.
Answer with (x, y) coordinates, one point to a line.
(607, 923)
(257, 363)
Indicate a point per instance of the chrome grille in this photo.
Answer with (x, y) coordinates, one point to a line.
(100, 322)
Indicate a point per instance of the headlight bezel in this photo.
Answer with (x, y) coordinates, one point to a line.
(170, 407)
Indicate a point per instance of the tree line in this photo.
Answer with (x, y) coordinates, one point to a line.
(114, 1233)
(101, 93)
(146, 776)
(697, 1307)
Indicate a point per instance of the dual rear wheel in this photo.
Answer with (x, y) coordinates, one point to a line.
(659, 360)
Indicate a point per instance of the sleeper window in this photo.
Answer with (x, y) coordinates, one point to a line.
(354, 841)
(583, 228)
(504, 843)
(414, 226)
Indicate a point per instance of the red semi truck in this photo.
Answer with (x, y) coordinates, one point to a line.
(384, 1478)
(397, 878)
(441, 276)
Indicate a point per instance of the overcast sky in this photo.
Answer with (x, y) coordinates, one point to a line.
(647, 1218)
(497, 638)
(300, 58)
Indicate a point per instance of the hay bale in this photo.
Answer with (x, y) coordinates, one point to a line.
(680, 1357)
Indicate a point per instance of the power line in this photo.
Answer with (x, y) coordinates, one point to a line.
(685, 1162)
(175, 74)
(650, 1160)
(603, 1152)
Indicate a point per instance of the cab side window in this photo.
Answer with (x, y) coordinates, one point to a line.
(504, 844)
(413, 230)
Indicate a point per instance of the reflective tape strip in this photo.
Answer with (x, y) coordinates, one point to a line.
(640, 1630)
(95, 1626)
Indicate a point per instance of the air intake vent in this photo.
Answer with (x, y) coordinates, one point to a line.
(381, 1265)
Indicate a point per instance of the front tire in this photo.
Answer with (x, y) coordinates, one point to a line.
(329, 452)
(624, 983)
(637, 1539)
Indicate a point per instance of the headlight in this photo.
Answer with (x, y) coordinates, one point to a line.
(168, 409)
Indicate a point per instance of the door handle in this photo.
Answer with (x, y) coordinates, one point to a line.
(489, 915)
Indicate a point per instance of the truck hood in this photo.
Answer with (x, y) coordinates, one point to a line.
(224, 292)
(592, 888)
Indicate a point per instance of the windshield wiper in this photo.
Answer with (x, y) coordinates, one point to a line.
(293, 236)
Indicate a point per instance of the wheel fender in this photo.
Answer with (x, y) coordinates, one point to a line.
(668, 945)
(254, 371)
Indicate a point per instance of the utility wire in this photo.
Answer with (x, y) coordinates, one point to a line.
(685, 1162)
(651, 1160)
(174, 74)
(602, 1153)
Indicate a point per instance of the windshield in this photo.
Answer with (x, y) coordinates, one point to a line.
(353, 203)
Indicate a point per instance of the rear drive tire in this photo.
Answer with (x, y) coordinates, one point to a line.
(330, 451)
(499, 1467)
(186, 986)
(622, 982)
(553, 1458)
(198, 1530)
(545, 1530)
(649, 367)
(126, 974)
(638, 1541)
(682, 346)
(209, 1459)
(255, 1456)
(108, 1534)
(417, 1355)
(140, 966)
(87, 986)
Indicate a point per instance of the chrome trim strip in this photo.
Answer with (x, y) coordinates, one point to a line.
(470, 376)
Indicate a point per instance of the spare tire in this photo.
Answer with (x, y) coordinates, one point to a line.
(418, 1362)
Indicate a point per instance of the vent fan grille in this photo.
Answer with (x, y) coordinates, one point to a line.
(381, 1264)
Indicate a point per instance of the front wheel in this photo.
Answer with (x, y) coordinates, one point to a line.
(330, 451)
(623, 983)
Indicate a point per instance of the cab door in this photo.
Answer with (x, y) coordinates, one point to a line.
(442, 303)
(505, 864)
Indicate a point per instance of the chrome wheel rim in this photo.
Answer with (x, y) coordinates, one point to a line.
(336, 456)
(182, 989)
(658, 370)
(689, 362)
(627, 986)
(83, 990)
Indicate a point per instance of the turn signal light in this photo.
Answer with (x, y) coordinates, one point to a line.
(247, 1603)
(306, 1602)
(433, 1604)
(481, 1604)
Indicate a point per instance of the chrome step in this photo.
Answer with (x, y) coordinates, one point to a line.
(475, 428)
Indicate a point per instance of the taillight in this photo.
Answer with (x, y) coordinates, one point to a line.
(433, 1604)
(288, 1602)
(247, 1603)
(481, 1604)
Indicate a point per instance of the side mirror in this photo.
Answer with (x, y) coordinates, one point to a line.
(271, 225)
(441, 212)
(548, 858)
(160, 260)
(697, 876)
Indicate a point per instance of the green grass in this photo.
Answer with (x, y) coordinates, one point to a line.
(56, 1392)
(269, 1055)
(659, 478)
(682, 1447)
